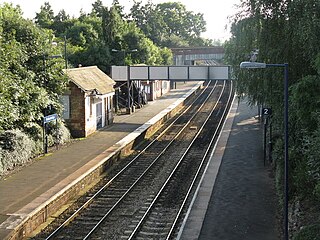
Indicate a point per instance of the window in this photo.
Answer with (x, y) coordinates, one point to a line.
(65, 100)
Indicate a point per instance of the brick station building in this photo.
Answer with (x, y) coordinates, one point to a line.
(88, 104)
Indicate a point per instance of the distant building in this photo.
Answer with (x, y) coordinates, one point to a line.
(155, 88)
(198, 55)
(88, 104)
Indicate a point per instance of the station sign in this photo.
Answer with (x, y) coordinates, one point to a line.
(266, 111)
(50, 118)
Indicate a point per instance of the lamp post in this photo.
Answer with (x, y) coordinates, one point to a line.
(65, 51)
(286, 135)
(45, 119)
(45, 136)
(124, 53)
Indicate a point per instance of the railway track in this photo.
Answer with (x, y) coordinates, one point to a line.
(162, 217)
(147, 198)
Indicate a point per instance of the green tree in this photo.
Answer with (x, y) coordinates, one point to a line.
(46, 16)
(82, 34)
(112, 26)
(96, 53)
(97, 8)
(179, 27)
(181, 22)
(29, 83)
(147, 52)
(149, 21)
(61, 23)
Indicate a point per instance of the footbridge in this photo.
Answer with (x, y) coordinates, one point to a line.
(170, 73)
(135, 81)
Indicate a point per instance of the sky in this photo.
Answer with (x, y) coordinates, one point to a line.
(216, 12)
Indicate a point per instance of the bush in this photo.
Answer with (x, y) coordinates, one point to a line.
(316, 191)
(311, 232)
(16, 148)
(313, 155)
(277, 155)
(34, 130)
(312, 163)
(63, 133)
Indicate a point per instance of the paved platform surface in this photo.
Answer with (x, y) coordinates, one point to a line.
(23, 187)
(236, 200)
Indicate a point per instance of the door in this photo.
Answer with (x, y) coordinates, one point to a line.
(99, 115)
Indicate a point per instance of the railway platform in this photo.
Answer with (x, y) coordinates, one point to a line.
(236, 199)
(31, 195)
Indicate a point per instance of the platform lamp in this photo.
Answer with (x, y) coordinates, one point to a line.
(250, 65)
(65, 50)
(124, 53)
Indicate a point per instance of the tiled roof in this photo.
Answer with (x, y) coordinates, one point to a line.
(91, 79)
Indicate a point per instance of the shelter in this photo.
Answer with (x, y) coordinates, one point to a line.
(88, 104)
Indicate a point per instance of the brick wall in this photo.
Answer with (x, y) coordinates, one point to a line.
(76, 123)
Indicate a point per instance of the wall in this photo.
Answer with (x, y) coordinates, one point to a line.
(106, 102)
(76, 122)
